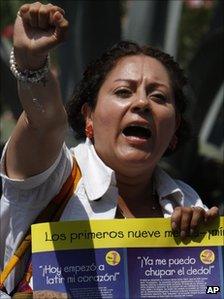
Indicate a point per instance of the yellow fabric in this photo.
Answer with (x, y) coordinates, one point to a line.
(22, 295)
(8, 268)
(61, 199)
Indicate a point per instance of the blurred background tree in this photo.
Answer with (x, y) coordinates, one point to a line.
(194, 24)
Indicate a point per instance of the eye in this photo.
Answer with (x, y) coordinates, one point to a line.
(123, 93)
(158, 97)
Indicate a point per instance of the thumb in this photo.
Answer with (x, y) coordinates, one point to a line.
(61, 27)
(211, 214)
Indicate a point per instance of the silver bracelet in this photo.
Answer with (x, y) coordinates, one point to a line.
(29, 76)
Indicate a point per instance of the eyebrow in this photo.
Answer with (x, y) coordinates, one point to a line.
(128, 80)
(132, 81)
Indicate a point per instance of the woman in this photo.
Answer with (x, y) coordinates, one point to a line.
(129, 106)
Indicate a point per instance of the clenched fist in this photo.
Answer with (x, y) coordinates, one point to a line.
(38, 29)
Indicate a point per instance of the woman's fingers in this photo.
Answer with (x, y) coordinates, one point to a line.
(29, 13)
(176, 219)
(44, 17)
(24, 9)
(185, 221)
(181, 220)
(33, 14)
(40, 16)
(211, 214)
(188, 219)
(43, 27)
(38, 29)
(61, 25)
(198, 217)
(54, 9)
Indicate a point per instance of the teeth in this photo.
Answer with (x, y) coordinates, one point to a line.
(135, 130)
(138, 125)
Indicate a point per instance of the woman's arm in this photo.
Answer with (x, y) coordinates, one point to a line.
(39, 134)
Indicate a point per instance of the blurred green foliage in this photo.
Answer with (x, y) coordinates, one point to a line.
(9, 8)
(193, 26)
(7, 11)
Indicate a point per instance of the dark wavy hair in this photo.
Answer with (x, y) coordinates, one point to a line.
(96, 72)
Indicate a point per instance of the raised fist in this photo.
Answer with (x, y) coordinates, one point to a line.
(38, 29)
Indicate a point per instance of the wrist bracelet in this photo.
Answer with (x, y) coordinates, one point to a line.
(29, 76)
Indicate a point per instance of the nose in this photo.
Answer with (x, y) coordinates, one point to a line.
(140, 104)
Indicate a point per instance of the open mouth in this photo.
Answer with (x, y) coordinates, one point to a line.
(137, 132)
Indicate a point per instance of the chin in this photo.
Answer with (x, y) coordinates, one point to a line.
(136, 157)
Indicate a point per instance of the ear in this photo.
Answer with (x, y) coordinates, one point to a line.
(87, 113)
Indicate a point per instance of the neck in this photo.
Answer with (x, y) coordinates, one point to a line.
(138, 195)
(137, 188)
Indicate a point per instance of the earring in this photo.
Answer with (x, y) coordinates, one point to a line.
(173, 143)
(89, 131)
